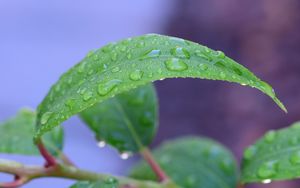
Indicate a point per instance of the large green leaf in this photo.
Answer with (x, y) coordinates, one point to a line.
(276, 156)
(16, 135)
(193, 162)
(110, 183)
(125, 65)
(127, 121)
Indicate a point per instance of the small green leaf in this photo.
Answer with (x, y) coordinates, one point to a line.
(127, 121)
(110, 183)
(276, 156)
(16, 135)
(133, 62)
(193, 162)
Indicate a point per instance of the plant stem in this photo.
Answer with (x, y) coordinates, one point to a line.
(51, 161)
(27, 173)
(147, 155)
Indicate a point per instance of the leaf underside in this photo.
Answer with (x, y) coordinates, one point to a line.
(128, 121)
(122, 66)
(193, 162)
(276, 156)
(16, 135)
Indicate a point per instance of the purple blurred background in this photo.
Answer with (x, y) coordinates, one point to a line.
(39, 40)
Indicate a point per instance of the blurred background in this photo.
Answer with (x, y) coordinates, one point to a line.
(39, 40)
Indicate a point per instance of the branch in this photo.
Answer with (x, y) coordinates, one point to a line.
(27, 173)
(153, 164)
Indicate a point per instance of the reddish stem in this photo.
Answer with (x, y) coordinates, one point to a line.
(153, 164)
(17, 183)
(50, 160)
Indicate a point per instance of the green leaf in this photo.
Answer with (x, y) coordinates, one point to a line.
(16, 135)
(193, 162)
(110, 183)
(127, 64)
(276, 156)
(127, 121)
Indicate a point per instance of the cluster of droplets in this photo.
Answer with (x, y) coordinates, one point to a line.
(269, 169)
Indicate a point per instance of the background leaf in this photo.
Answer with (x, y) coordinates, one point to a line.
(110, 183)
(125, 65)
(127, 121)
(276, 156)
(16, 135)
(193, 162)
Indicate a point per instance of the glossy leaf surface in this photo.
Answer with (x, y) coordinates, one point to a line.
(133, 62)
(276, 156)
(127, 121)
(193, 162)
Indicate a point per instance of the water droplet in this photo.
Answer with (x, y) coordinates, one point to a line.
(237, 71)
(87, 95)
(203, 56)
(114, 56)
(267, 170)
(70, 103)
(180, 52)
(91, 72)
(220, 64)
(123, 48)
(136, 75)
(115, 69)
(175, 64)
(222, 75)
(90, 53)
(250, 152)
(270, 136)
(177, 40)
(150, 75)
(140, 44)
(125, 155)
(293, 141)
(266, 181)
(219, 54)
(295, 158)
(203, 67)
(96, 57)
(105, 88)
(81, 67)
(45, 117)
(151, 54)
(101, 144)
(129, 55)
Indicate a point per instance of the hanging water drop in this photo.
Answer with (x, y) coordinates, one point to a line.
(101, 144)
(266, 181)
(125, 155)
(45, 117)
(105, 88)
(175, 64)
(136, 75)
(180, 52)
